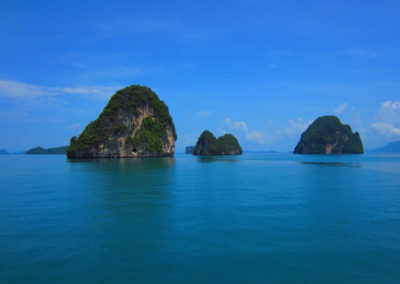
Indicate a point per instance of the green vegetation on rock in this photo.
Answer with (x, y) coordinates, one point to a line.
(327, 135)
(119, 120)
(208, 145)
(151, 135)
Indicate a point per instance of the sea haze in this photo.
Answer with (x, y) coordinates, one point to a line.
(254, 218)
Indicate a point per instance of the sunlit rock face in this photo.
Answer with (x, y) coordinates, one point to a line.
(134, 123)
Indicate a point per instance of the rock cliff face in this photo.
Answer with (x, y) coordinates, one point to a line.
(327, 135)
(208, 145)
(134, 123)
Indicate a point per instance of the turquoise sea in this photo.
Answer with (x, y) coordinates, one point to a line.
(256, 218)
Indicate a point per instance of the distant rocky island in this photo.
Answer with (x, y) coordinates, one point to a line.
(208, 145)
(189, 149)
(393, 147)
(49, 151)
(134, 123)
(327, 135)
(5, 152)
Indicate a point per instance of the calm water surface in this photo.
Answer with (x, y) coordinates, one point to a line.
(251, 219)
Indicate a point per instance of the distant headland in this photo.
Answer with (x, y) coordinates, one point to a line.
(393, 147)
(49, 151)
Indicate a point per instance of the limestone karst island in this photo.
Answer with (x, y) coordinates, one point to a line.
(327, 135)
(208, 145)
(134, 123)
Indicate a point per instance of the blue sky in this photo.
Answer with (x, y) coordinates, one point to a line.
(262, 70)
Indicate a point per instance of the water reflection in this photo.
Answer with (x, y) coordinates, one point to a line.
(211, 159)
(127, 162)
(333, 164)
(125, 186)
(129, 200)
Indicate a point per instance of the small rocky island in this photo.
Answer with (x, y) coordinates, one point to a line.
(134, 123)
(189, 149)
(208, 145)
(327, 135)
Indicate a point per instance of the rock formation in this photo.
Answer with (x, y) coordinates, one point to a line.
(208, 145)
(134, 123)
(189, 149)
(327, 135)
(50, 151)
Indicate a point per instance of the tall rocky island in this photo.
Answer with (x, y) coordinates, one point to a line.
(208, 145)
(327, 135)
(134, 123)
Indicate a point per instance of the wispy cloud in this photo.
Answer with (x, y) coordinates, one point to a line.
(131, 25)
(356, 120)
(361, 52)
(15, 89)
(125, 26)
(204, 113)
(257, 136)
(281, 52)
(75, 126)
(341, 108)
(295, 127)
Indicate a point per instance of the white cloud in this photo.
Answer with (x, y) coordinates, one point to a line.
(387, 122)
(236, 125)
(241, 126)
(15, 89)
(387, 129)
(390, 105)
(389, 112)
(341, 108)
(287, 133)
